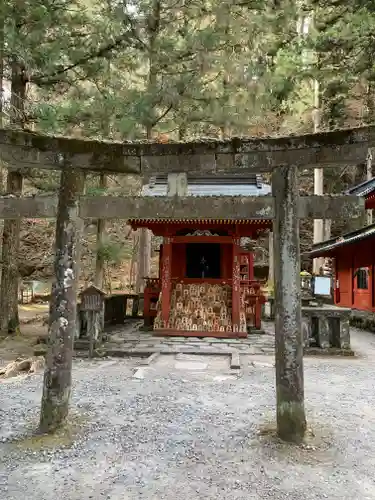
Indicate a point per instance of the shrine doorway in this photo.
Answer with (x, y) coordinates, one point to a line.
(203, 260)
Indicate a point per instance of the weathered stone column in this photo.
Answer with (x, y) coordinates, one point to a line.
(63, 305)
(323, 332)
(291, 421)
(345, 333)
(94, 330)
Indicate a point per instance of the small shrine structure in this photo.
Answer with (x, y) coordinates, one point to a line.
(354, 267)
(354, 258)
(365, 190)
(206, 283)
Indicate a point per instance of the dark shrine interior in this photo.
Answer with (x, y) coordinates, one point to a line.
(203, 260)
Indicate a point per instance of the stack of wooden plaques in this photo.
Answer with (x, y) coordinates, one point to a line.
(199, 307)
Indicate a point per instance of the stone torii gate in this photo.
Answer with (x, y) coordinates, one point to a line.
(282, 156)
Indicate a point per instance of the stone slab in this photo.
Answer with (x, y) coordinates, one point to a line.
(190, 357)
(267, 350)
(150, 359)
(330, 351)
(220, 345)
(142, 345)
(190, 365)
(235, 362)
(332, 311)
(140, 373)
(252, 350)
(222, 378)
(176, 340)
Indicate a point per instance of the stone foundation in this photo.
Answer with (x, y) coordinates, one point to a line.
(326, 327)
(323, 327)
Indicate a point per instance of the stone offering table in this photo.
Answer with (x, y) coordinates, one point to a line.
(327, 325)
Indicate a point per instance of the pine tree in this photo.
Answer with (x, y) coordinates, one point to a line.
(48, 45)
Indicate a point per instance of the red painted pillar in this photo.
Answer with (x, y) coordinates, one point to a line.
(236, 280)
(166, 284)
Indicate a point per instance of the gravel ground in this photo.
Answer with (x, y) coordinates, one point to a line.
(178, 433)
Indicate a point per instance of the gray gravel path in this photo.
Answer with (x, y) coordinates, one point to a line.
(179, 433)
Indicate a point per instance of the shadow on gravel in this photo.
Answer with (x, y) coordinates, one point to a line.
(317, 448)
(33, 440)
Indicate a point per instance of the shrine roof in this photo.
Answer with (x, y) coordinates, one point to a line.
(212, 186)
(329, 246)
(366, 188)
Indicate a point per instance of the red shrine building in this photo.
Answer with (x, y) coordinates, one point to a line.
(354, 259)
(206, 283)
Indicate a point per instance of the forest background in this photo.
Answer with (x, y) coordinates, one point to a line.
(177, 70)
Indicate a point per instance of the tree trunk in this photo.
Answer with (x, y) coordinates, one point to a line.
(318, 182)
(291, 420)
(9, 277)
(369, 177)
(2, 41)
(271, 277)
(100, 232)
(327, 229)
(9, 319)
(63, 305)
(224, 128)
(144, 258)
(133, 263)
(318, 231)
(144, 247)
(2, 169)
(144, 251)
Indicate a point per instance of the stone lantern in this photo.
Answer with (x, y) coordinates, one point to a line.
(306, 285)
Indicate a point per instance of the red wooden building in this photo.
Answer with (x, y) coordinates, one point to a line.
(354, 259)
(206, 283)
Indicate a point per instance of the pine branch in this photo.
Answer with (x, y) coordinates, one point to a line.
(102, 52)
(157, 120)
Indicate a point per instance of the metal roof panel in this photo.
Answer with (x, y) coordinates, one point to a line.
(211, 190)
(362, 189)
(353, 237)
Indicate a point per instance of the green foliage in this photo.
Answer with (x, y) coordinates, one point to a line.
(95, 191)
(185, 68)
(46, 181)
(111, 253)
(113, 69)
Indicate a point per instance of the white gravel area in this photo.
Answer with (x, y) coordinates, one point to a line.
(184, 429)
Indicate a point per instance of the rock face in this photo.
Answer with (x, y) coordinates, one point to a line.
(22, 366)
